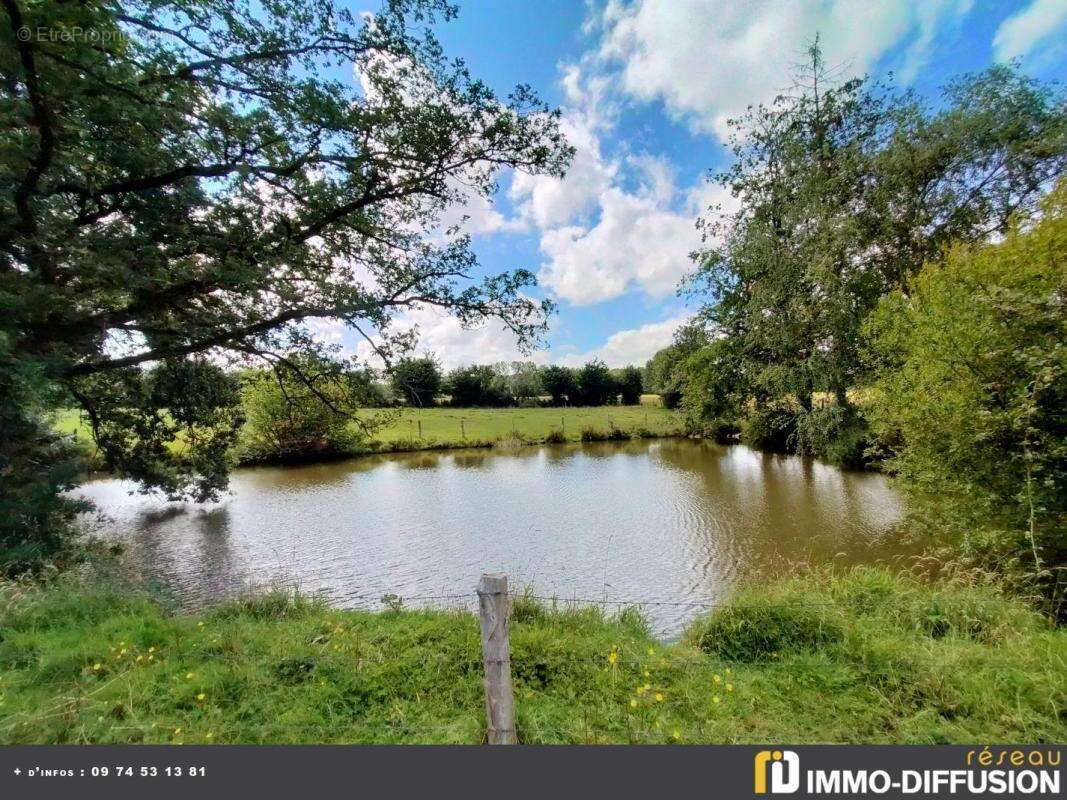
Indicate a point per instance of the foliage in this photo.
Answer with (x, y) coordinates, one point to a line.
(36, 466)
(973, 395)
(560, 384)
(630, 384)
(135, 415)
(417, 380)
(307, 410)
(524, 381)
(479, 386)
(714, 390)
(898, 661)
(665, 372)
(192, 185)
(595, 385)
(844, 190)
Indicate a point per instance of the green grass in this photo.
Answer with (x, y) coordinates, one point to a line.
(459, 427)
(861, 657)
(442, 427)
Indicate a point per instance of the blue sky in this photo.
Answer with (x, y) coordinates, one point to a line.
(645, 87)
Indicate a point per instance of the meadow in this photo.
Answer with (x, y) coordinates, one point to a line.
(862, 656)
(442, 427)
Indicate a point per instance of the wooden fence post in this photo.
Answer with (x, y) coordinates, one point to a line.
(496, 655)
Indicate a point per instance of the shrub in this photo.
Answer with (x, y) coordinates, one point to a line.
(630, 385)
(289, 417)
(771, 427)
(973, 391)
(759, 630)
(837, 434)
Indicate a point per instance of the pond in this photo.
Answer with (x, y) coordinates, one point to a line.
(673, 522)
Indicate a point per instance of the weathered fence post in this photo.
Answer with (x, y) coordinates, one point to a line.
(496, 655)
(420, 428)
(462, 428)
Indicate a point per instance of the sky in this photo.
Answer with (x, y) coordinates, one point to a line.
(645, 88)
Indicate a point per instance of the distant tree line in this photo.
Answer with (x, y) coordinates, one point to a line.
(421, 382)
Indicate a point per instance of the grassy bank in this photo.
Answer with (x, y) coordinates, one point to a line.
(864, 657)
(442, 427)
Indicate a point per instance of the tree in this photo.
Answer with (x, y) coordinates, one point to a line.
(417, 380)
(665, 373)
(630, 385)
(845, 190)
(479, 386)
(559, 382)
(524, 381)
(310, 412)
(595, 385)
(973, 399)
(191, 181)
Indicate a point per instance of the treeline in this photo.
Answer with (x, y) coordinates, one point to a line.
(421, 382)
(891, 291)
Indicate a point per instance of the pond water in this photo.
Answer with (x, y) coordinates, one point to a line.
(677, 522)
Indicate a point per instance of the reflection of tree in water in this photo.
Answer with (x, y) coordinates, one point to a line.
(188, 554)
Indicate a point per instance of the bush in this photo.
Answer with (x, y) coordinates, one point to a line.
(771, 427)
(836, 434)
(758, 630)
(973, 391)
(287, 419)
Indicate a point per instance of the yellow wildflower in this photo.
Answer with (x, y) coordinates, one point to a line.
(151, 649)
(633, 703)
(96, 666)
(659, 697)
(613, 657)
(676, 735)
(188, 676)
(729, 687)
(648, 674)
(727, 671)
(651, 651)
(209, 735)
(715, 699)
(177, 731)
(716, 679)
(201, 696)
(200, 624)
(140, 658)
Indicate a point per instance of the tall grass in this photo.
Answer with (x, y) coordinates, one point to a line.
(866, 656)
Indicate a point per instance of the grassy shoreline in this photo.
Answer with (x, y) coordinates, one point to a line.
(864, 656)
(446, 428)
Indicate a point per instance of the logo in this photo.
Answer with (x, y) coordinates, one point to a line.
(784, 767)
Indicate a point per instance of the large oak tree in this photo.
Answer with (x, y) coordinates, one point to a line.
(188, 182)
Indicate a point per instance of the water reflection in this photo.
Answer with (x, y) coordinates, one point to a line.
(666, 519)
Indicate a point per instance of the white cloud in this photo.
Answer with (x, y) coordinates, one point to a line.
(546, 201)
(455, 346)
(639, 241)
(707, 60)
(633, 346)
(1019, 34)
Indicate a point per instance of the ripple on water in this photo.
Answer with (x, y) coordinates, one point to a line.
(669, 520)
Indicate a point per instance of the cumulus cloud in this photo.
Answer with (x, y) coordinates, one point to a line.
(707, 60)
(1021, 33)
(633, 346)
(454, 345)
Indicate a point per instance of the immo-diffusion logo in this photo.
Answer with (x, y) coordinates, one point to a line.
(784, 769)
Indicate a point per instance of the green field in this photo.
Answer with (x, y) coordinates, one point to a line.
(460, 427)
(443, 427)
(862, 657)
